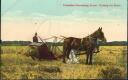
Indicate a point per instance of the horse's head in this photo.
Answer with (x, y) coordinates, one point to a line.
(100, 35)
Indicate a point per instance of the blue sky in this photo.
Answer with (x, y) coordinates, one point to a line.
(56, 8)
(78, 20)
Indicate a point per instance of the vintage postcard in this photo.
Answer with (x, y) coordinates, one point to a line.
(63, 39)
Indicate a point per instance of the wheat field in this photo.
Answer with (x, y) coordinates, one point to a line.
(109, 63)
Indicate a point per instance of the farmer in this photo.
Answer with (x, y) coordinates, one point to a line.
(35, 38)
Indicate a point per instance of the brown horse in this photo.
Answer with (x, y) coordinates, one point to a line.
(88, 43)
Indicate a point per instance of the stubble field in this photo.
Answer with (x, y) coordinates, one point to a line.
(110, 62)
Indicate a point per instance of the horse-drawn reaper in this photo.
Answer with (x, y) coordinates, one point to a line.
(89, 44)
(43, 50)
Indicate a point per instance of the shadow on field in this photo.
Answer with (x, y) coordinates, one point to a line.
(52, 69)
(113, 72)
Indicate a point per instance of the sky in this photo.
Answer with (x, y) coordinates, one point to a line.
(22, 18)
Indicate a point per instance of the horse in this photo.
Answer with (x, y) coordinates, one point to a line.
(70, 43)
(88, 43)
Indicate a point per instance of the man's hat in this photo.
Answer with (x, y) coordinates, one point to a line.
(36, 33)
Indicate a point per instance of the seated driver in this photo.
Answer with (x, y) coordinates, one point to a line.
(35, 38)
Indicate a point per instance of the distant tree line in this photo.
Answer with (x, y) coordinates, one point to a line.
(24, 43)
(17, 43)
(115, 43)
